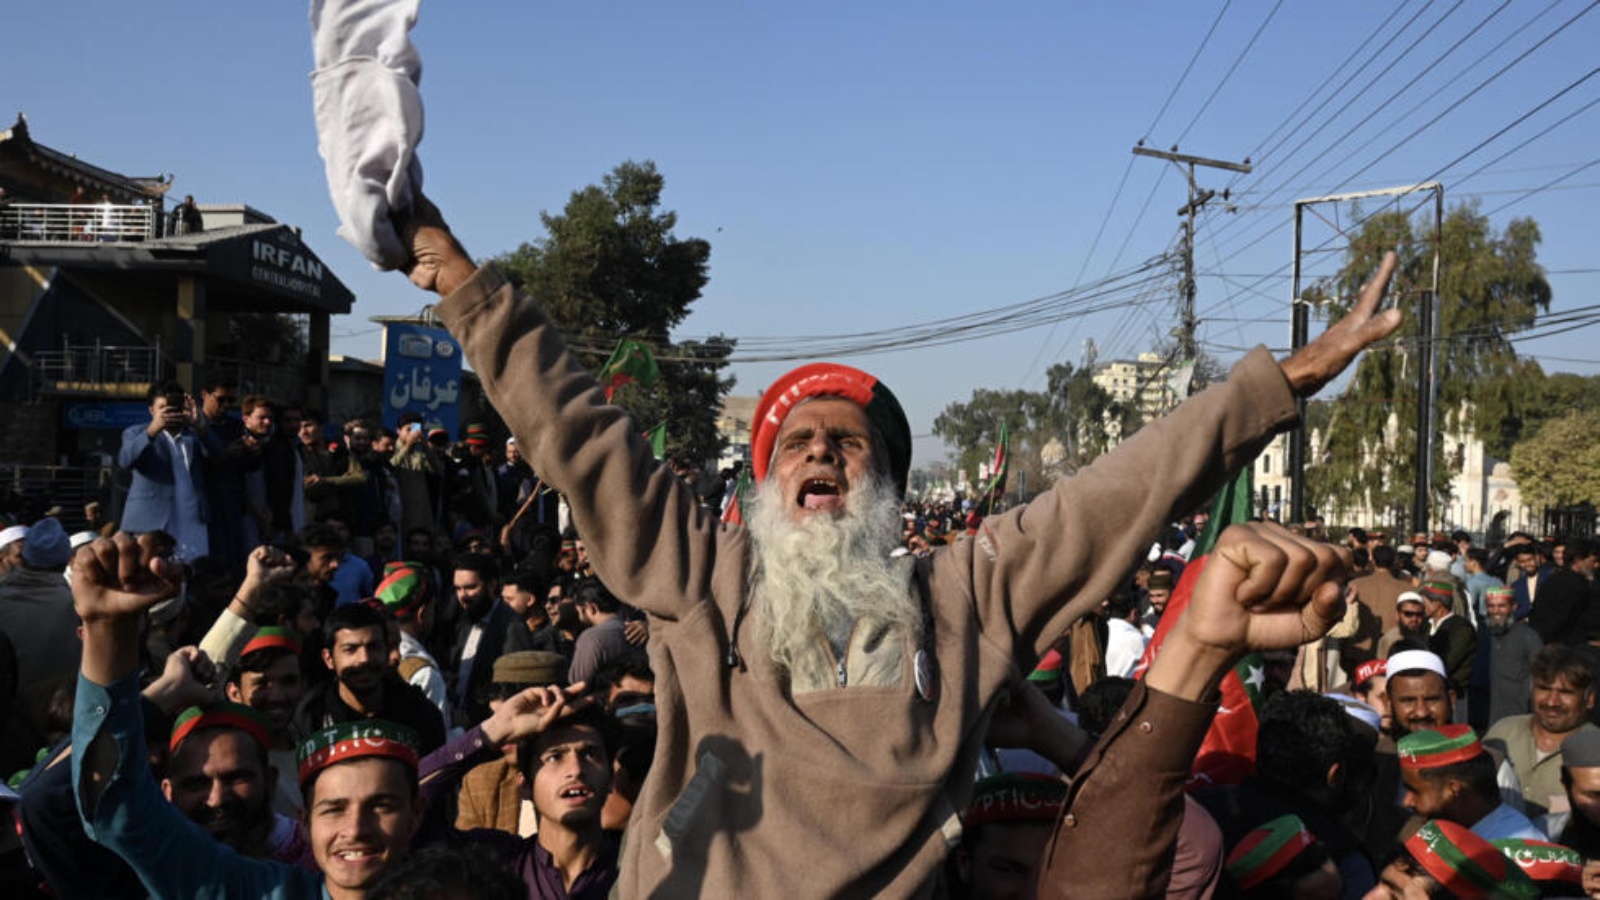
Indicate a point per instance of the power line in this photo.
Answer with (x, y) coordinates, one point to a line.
(1229, 74)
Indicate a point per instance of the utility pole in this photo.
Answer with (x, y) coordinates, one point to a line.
(1198, 198)
(1427, 363)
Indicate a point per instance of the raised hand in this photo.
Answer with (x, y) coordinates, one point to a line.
(1262, 589)
(119, 577)
(532, 711)
(188, 679)
(436, 260)
(1320, 361)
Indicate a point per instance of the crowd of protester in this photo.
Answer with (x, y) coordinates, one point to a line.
(1443, 733)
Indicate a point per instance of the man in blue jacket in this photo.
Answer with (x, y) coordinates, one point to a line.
(167, 459)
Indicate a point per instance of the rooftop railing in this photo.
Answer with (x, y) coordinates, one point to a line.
(60, 222)
(96, 368)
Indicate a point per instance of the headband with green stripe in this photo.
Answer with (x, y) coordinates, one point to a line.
(1268, 850)
(1466, 865)
(1543, 862)
(1431, 748)
(221, 715)
(350, 741)
(272, 637)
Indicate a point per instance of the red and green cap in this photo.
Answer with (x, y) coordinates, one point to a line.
(1048, 671)
(476, 433)
(221, 715)
(1442, 592)
(404, 589)
(832, 380)
(1268, 850)
(273, 637)
(1466, 865)
(1505, 592)
(1430, 748)
(1015, 797)
(1543, 862)
(350, 741)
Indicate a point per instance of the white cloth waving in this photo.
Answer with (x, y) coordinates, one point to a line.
(369, 117)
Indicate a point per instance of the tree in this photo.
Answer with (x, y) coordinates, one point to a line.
(1560, 465)
(1072, 419)
(610, 268)
(1490, 286)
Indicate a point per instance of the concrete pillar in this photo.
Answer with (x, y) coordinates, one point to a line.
(190, 351)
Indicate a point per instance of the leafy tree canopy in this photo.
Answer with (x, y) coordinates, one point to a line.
(1561, 464)
(610, 267)
(1490, 286)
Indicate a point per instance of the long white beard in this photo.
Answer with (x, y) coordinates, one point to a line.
(827, 575)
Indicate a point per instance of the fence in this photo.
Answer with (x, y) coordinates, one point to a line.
(77, 222)
(91, 368)
(33, 490)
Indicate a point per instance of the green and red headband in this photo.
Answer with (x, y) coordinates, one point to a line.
(404, 589)
(273, 637)
(1015, 797)
(350, 741)
(221, 715)
(1431, 748)
(1543, 862)
(1466, 865)
(832, 380)
(1442, 592)
(1268, 850)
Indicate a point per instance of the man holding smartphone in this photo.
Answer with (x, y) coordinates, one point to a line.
(167, 461)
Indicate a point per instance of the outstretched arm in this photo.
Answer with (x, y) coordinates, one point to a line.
(1262, 589)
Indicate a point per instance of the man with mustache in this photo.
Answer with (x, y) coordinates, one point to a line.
(800, 645)
(363, 685)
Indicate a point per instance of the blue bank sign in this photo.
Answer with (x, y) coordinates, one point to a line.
(421, 374)
(112, 415)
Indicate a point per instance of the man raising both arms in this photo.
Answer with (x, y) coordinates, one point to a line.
(797, 645)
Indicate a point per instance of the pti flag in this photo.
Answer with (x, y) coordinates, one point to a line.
(631, 362)
(1228, 753)
(657, 437)
(733, 513)
(998, 470)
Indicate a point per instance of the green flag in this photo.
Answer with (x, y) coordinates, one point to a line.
(998, 470)
(632, 362)
(657, 437)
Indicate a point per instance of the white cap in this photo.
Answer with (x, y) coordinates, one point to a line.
(1439, 561)
(511, 441)
(1408, 596)
(79, 538)
(1359, 711)
(12, 535)
(1416, 660)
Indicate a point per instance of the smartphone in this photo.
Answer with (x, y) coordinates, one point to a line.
(415, 427)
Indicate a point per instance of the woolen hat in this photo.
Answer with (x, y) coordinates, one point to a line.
(1415, 661)
(477, 433)
(1268, 850)
(1431, 748)
(348, 741)
(1581, 749)
(236, 716)
(534, 668)
(47, 546)
(1015, 797)
(1466, 865)
(832, 380)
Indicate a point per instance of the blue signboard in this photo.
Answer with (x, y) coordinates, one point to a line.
(422, 374)
(104, 414)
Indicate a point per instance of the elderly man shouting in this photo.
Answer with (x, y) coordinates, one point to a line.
(806, 678)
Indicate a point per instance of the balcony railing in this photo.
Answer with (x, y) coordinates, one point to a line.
(58, 222)
(97, 369)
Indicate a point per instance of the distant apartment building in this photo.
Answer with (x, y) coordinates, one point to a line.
(1143, 384)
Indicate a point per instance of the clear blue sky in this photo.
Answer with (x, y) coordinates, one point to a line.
(862, 166)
